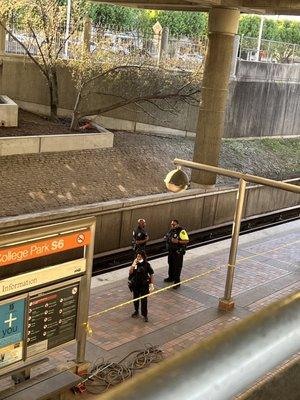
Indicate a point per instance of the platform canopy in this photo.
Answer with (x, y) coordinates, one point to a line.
(281, 7)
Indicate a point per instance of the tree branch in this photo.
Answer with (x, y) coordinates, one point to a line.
(138, 99)
(159, 107)
(39, 47)
(64, 41)
(110, 94)
(43, 15)
(26, 50)
(111, 70)
(147, 112)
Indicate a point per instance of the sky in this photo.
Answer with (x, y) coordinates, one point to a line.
(289, 17)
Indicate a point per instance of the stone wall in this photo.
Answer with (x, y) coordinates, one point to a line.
(264, 100)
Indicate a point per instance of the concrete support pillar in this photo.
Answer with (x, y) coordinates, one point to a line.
(87, 33)
(235, 55)
(222, 27)
(2, 40)
(164, 43)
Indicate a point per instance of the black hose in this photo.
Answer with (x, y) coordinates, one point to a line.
(105, 374)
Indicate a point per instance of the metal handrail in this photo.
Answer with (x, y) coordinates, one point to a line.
(224, 365)
(227, 303)
(239, 175)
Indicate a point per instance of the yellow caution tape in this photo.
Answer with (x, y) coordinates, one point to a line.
(180, 283)
(88, 329)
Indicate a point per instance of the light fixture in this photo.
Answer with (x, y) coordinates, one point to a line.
(176, 180)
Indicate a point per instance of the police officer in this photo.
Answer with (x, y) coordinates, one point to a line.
(140, 236)
(177, 239)
(141, 280)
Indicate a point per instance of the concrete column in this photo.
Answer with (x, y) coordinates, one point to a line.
(87, 33)
(164, 46)
(235, 55)
(2, 40)
(222, 27)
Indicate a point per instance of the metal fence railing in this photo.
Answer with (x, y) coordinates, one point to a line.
(12, 46)
(270, 50)
(182, 52)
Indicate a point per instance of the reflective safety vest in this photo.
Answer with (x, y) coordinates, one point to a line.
(177, 233)
(183, 235)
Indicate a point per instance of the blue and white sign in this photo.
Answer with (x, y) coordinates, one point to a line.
(11, 322)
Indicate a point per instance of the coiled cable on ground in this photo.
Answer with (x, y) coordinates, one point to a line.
(142, 359)
(105, 374)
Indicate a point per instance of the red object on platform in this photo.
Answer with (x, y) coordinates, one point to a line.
(80, 388)
(86, 126)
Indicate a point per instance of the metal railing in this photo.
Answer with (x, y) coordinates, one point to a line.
(227, 302)
(270, 51)
(183, 52)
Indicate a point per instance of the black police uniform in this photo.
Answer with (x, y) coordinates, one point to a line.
(140, 280)
(139, 234)
(176, 252)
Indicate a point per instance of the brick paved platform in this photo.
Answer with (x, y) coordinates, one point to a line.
(268, 269)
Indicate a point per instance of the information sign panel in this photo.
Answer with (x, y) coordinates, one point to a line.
(11, 332)
(42, 270)
(51, 319)
(38, 278)
(11, 354)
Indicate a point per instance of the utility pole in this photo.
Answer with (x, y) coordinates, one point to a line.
(2, 38)
(68, 27)
(262, 19)
(164, 44)
(87, 31)
(157, 29)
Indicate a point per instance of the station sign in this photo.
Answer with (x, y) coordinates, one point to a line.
(44, 289)
(157, 28)
(41, 248)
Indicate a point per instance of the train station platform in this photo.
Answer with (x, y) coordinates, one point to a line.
(268, 268)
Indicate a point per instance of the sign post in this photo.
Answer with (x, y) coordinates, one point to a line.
(157, 29)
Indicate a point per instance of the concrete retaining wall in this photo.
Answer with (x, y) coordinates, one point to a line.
(263, 109)
(8, 112)
(195, 209)
(139, 127)
(53, 143)
(264, 100)
(267, 72)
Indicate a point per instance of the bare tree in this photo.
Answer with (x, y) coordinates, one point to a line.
(123, 79)
(106, 81)
(42, 23)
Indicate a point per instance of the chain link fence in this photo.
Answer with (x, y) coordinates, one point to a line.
(181, 52)
(270, 51)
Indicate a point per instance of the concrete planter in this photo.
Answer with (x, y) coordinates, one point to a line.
(8, 112)
(54, 143)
